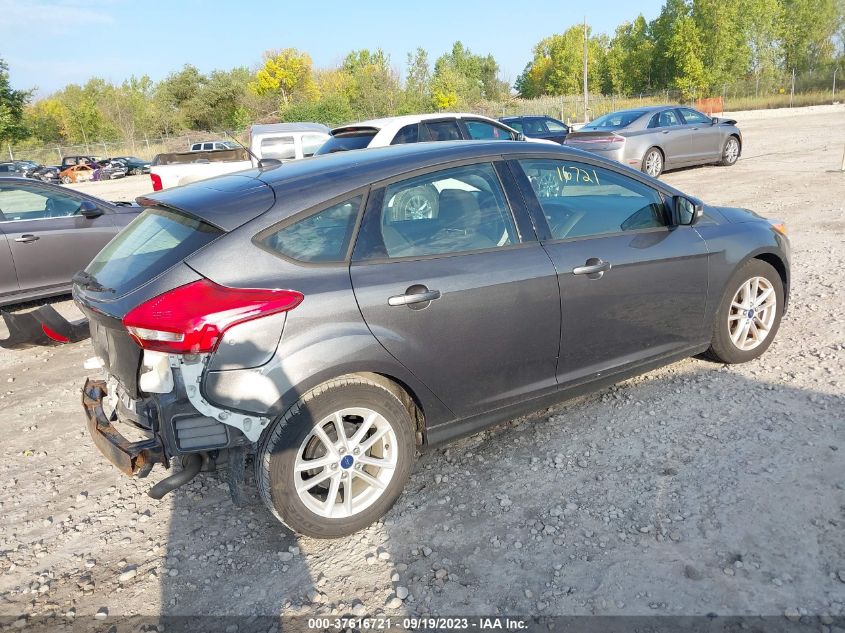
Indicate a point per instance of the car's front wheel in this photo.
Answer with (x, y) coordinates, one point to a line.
(730, 152)
(338, 459)
(66, 180)
(749, 314)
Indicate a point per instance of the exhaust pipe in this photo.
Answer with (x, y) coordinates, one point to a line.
(191, 467)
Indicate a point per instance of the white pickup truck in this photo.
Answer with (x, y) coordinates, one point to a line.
(280, 141)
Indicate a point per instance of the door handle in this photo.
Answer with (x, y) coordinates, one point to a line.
(26, 238)
(665, 131)
(592, 267)
(415, 297)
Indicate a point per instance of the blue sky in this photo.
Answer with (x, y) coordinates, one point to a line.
(48, 44)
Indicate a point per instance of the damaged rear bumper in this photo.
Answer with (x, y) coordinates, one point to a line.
(42, 326)
(131, 458)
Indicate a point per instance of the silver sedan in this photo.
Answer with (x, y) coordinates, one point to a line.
(657, 138)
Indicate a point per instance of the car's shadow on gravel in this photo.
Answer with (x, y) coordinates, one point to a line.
(686, 491)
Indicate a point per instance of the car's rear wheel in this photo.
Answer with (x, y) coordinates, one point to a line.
(730, 152)
(653, 162)
(749, 314)
(66, 180)
(338, 459)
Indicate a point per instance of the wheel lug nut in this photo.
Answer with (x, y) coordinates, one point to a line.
(356, 451)
(342, 451)
(333, 467)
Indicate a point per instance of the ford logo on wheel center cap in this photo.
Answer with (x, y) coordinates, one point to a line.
(346, 462)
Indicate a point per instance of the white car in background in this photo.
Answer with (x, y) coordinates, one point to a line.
(418, 128)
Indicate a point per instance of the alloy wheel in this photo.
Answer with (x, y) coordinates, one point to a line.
(345, 463)
(731, 150)
(654, 163)
(752, 313)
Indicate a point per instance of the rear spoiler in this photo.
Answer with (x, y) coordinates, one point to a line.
(354, 130)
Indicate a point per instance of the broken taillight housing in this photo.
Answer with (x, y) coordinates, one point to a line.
(156, 182)
(192, 319)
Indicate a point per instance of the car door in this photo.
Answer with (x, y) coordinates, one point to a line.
(632, 285)
(50, 240)
(703, 138)
(459, 291)
(8, 276)
(667, 133)
(557, 131)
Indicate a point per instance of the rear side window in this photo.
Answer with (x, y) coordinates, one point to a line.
(553, 125)
(408, 134)
(455, 210)
(515, 124)
(346, 142)
(153, 242)
(320, 238)
(311, 143)
(444, 131)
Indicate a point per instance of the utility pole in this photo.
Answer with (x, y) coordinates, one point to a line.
(586, 93)
(792, 92)
(833, 96)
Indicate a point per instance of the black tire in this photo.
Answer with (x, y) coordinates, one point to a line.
(662, 161)
(722, 349)
(417, 203)
(729, 158)
(281, 442)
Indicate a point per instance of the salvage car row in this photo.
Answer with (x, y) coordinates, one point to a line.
(76, 169)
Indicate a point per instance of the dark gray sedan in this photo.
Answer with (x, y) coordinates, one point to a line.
(657, 138)
(313, 320)
(48, 233)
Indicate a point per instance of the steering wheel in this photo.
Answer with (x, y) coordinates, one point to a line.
(561, 231)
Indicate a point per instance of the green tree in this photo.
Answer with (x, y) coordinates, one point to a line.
(557, 67)
(373, 86)
(12, 103)
(629, 59)
(417, 93)
(286, 73)
(684, 51)
(725, 51)
(807, 31)
(468, 76)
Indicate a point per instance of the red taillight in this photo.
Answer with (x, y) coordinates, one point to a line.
(156, 182)
(191, 319)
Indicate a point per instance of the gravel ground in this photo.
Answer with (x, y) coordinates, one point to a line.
(694, 489)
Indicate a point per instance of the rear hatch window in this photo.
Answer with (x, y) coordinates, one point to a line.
(346, 141)
(153, 242)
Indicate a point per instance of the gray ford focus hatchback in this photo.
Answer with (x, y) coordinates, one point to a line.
(323, 320)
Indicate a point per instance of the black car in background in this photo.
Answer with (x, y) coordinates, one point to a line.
(47, 174)
(538, 127)
(133, 164)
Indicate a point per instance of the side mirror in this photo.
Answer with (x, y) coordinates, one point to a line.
(268, 162)
(89, 210)
(687, 212)
(714, 120)
(520, 136)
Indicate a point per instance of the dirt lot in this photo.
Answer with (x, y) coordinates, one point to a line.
(696, 488)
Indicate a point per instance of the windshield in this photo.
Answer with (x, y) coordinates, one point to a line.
(358, 140)
(153, 242)
(614, 120)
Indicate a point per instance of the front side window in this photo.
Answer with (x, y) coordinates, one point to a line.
(27, 203)
(581, 200)
(450, 211)
(693, 117)
(319, 238)
(484, 131)
(443, 131)
(667, 118)
(553, 125)
(279, 147)
(208, 146)
(408, 134)
(534, 126)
